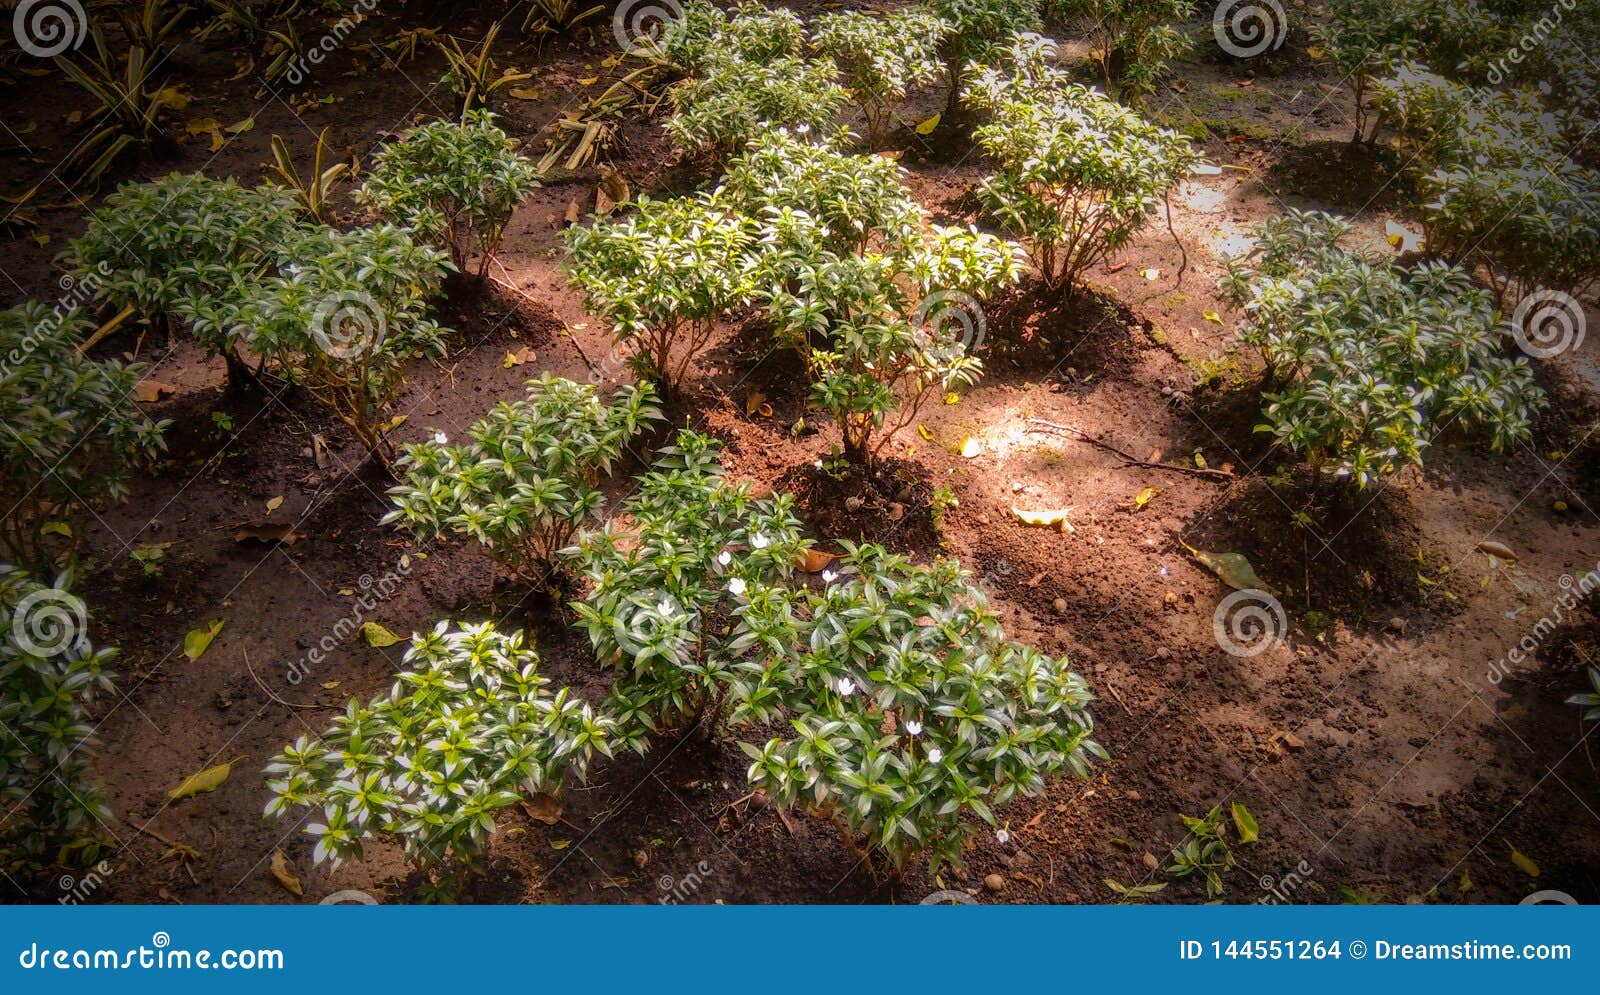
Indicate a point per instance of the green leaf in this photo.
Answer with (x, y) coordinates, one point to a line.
(1249, 831)
(1232, 568)
(378, 636)
(197, 641)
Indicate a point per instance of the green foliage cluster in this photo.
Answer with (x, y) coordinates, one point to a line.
(1373, 361)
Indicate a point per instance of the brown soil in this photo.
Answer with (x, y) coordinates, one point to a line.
(1371, 745)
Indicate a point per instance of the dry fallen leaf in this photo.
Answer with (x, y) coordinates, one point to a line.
(151, 391)
(1046, 516)
(286, 877)
(815, 560)
(1143, 497)
(1232, 568)
(753, 402)
(377, 636)
(1523, 862)
(543, 808)
(209, 779)
(266, 532)
(273, 504)
(1499, 550)
(926, 127)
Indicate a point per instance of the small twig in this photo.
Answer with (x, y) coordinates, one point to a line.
(268, 691)
(1117, 695)
(1131, 459)
(1184, 253)
(506, 283)
(106, 329)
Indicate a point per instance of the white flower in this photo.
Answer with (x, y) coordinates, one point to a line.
(1003, 835)
(913, 727)
(725, 558)
(440, 438)
(847, 687)
(736, 586)
(665, 607)
(935, 755)
(828, 576)
(760, 541)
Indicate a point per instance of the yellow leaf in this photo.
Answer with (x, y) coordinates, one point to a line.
(201, 125)
(286, 877)
(925, 432)
(395, 422)
(1314, 52)
(588, 82)
(240, 127)
(1213, 316)
(1401, 237)
(560, 844)
(1143, 497)
(217, 141)
(330, 685)
(926, 127)
(41, 239)
(197, 641)
(378, 636)
(815, 560)
(1523, 862)
(970, 447)
(274, 504)
(1045, 516)
(524, 93)
(209, 779)
(56, 529)
(753, 402)
(952, 398)
(151, 391)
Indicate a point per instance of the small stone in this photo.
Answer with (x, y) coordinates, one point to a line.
(994, 882)
(1150, 860)
(1133, 796)
(1397, 624)
(1060, 605)
(1162, 653)
(640, 858)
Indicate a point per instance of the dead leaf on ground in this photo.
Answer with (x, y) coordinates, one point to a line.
(1499, 550)
(1045, 516)
(151, 391)
(267, 533)
(209, 779)
(286, 877)
(543, 808)
(378, 636)
(815, 560)
(1232, 568)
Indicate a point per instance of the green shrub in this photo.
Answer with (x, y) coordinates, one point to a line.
(663, 277)
(527, 477)
(71, 426)
(456, 184)
(186, 249)
(1132, 40)
(662, 594)
(49, 677)
(979, 28)
(903, 704)
(881, 59)
(1364, 40)
(347, 312)
(468, 726)
(1374, 361)
(1078, 174)
(734, 101)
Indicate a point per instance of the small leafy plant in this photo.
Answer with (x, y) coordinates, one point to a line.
(468, 727)
(904, 705)
(186, 250)
(456, 184)
(71, 426)
(881, 59)
(663, 592)
(527, 477)
(1373, 361)
(663, 278)
(347, 311)
(1078, 174)
(473, 74)
(1132, 40)
(979, 28)
(50, 676)
(312, 192)
(131, 108)
(734, 101)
